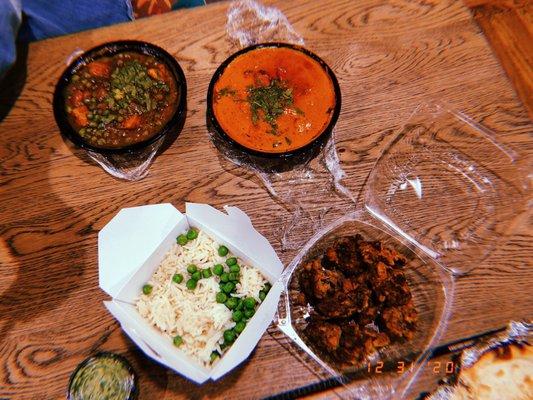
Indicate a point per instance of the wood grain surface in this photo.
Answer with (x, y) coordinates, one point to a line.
(508, 26)
(388, 57)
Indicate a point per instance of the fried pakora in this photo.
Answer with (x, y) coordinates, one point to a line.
(360, 297)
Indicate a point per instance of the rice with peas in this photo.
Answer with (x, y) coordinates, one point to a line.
(195, 314)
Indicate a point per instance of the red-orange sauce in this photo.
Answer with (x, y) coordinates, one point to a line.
(313, 99)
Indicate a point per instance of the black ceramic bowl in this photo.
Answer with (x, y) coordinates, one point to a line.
(270, 160)
(89, 364)
(109, 49)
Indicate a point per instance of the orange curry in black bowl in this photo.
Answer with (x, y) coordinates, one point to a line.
(273, 103)
(120, 97)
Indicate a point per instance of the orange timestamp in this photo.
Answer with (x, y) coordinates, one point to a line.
(437, 367)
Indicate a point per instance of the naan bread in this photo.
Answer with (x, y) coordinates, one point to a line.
(504, 373)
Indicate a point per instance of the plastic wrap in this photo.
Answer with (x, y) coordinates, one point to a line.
(130, 167)
(305, 178)
(250, 22)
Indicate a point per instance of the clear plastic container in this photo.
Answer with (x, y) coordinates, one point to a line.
(442, 194)
(448, 186)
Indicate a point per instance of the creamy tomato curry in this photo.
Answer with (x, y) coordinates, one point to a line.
(274, 99)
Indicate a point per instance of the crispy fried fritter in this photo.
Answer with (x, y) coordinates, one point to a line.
(361, 299)
(324, 334)
(352, 344)
(345, 303)
(400, 321)
(344, 256)
(319, 283)
(331, 292)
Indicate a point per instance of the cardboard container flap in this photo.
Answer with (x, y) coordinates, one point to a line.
(116, 311)
(238, 215)
(129, 239)
(131, 290)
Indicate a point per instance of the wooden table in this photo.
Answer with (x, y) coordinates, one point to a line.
(508, 26)
(388, 57)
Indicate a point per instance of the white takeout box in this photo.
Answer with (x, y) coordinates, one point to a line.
(131, 247)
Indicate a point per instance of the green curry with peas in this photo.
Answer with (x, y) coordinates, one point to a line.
(121, 100)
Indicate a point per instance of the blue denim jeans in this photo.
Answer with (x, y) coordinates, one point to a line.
(28, 20)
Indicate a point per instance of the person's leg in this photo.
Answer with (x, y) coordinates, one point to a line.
(10, 19)
(49, 18)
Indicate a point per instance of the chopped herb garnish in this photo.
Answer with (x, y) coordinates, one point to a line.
(226, 91)
(270, 101)
(131, 82)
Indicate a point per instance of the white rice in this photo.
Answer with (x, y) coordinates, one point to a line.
(194, 314)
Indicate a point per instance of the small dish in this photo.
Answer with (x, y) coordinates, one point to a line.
(175, 104)
(111, 372)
